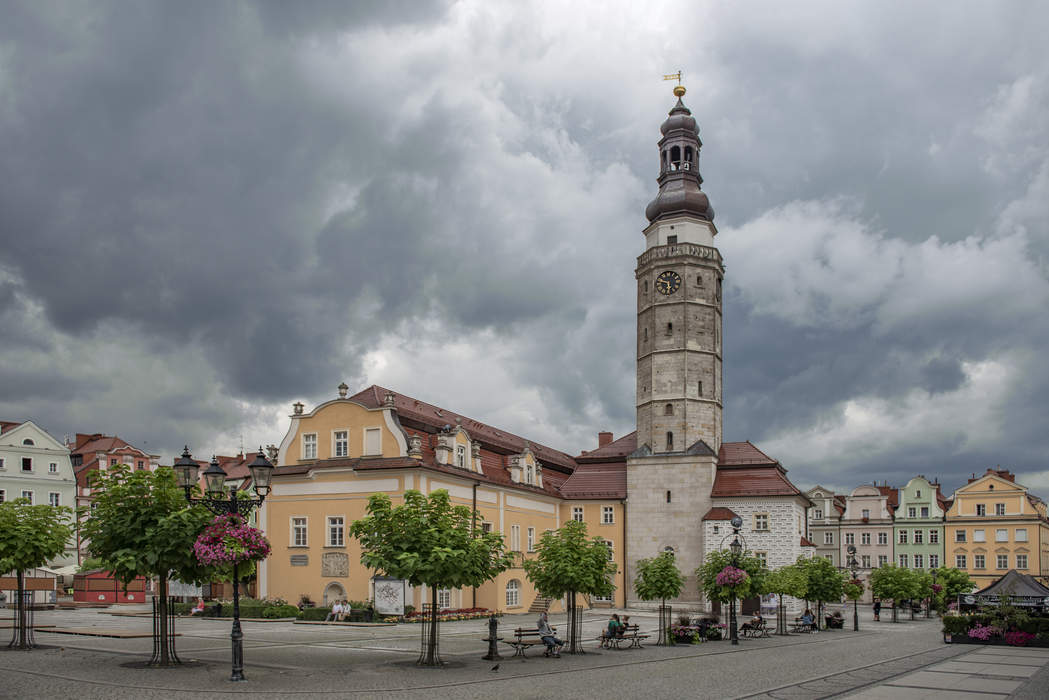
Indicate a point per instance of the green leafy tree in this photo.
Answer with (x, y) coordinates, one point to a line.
(953, 582)
(567, 563)
(429, 542)
(92, 564)
(659, 578)
(142, 525)
(894, 583)
(716, 561)
(824, 582)
(789, 580)
(925, 591)
(30, 536)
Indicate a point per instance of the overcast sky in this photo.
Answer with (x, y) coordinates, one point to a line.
(211, 210)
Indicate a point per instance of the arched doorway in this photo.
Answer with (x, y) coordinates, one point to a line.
(332, 593)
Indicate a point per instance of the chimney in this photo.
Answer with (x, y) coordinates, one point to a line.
(604, 438)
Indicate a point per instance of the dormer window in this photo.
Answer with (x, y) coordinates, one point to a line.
(460, 456)
(530, 475)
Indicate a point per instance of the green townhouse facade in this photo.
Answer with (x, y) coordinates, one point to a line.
(918, 531)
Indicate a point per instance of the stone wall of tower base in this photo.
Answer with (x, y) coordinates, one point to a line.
(654, 524)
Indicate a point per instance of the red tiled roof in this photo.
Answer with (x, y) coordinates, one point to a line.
(596, 480)
(806, 543)
(770, 480)
(6, 425)
(613, 451)
(740, 453)
(719, 513)
(409, 409)
(892, 493)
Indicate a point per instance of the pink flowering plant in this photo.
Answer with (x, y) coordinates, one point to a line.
(230, 540)
(731, 577)
(984, 633)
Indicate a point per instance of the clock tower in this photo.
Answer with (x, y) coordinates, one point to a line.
(679, 279)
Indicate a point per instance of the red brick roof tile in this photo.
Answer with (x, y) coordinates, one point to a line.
(740, 453)
(719, 513)
(596, 481)
(613, 451)
(806, 543)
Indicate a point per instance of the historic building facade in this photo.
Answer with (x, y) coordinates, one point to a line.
(645, 493)
(825, 522)
(867, 524)
(994, 525)
(918, 529)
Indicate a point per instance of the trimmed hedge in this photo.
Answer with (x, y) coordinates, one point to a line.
(274, 612)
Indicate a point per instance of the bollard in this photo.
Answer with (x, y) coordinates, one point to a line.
(493, 640)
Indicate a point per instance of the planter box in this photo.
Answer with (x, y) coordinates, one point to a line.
(994, 642)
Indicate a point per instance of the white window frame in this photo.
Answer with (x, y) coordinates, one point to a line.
(977, 559)
(925, 511)
(460, 456)
(28, 494)
(960, 537)
(902, 537)
(1, 464)
(865, 513)
(762, 557)
(373, 432)
(611, 550)
(344, 443)
(865, 538)
(1021, 561)
(999, 509)
(52, 468)
(934, 536)
(883, 559)
(883, 538)
(961, 561)
(761, 522)
(54, 498)
(904, 561)
(919, 537)
(515, 538)
(531, 539)
(919, 561)
(850, 538)
(577, 513)
(1020, 534)
(912, 512)
(335, 528)
(998, 561)
(981, 509)
(309, 448)
(3, 495)
(817, 514)
(22, 462)
(1001, 534)
(608, 515)
(865, 561)
(444, 598)
(513, 593)
(979, 535)
(934, 561)
(828, 537)
(486, 527)
(293, 539)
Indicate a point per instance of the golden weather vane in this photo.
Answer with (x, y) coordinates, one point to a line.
(679, 89)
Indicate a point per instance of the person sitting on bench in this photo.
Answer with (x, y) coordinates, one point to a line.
(755, 623)
(553, 644)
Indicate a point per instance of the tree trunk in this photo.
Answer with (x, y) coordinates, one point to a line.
(162, 607)
(431, 657)
(781, 619)
(574, 643)
(22, 622)
(895, 611)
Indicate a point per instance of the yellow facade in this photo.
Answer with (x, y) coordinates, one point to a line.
(320, 489)
(994, 526)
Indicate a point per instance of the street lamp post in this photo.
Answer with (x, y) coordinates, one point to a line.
(736, 548)
(853, 567)
(214, 499)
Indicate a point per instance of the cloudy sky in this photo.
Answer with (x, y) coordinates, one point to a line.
(211, 210)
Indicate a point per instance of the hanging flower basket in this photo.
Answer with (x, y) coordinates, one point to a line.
(731, 577)
(230, 540)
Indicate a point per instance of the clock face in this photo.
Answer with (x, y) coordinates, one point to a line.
(668, 282)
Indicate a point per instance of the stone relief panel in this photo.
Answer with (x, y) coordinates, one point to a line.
(335, 565)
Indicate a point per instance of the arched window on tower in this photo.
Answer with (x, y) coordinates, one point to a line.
(701, 389)
(688, 158)
(670, 441)
(675, 158)
(645, 336)
(670, 329)
(664, 167)
(668, 410)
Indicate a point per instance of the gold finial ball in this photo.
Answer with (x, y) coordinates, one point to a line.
(679, 91)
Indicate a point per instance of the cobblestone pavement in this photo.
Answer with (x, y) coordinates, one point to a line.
(288, 660)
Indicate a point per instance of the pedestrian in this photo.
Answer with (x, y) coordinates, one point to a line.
(877, 609)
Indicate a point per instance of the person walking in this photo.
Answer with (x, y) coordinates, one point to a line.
(877, 609)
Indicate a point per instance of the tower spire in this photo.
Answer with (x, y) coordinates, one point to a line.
(679, 178)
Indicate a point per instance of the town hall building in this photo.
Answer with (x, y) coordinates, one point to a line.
(672, 485)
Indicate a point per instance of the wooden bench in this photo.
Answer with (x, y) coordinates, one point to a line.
(800, 626)
(630, 633)
(757, 629)
(524, 639)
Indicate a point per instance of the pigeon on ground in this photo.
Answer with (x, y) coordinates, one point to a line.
(496, 667)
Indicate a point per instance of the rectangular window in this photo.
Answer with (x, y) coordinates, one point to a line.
(1021, 561)
(979, 536)
(934, 561)
(486, 528)
(460, 458)
(761, 522)
(883, 538)
(883, 559)
(903, 537)
(611, 551)
(531, 539)
(342, 443)
(919, 536)
(912, 512)
(1001, 535)
(607, 515)
(1002, 561)
(917, 493)
(850, 538)
(828, 538)
(959, 561)
(919, 561)
(865, 538)
(28, 495)
(1021, 534)
(999, 509)
(52, 468)
(309, 446)
(979, 561)
(335, 531)
(54, 499)
(925, 511)
(817, 514)
(27, 464)
(1, 462)
(513, 594)
(298, 532)
(763, 557)
(372, 441)
(903, 561)
(3, 496)
(959, 535)
(141, 464)
(577, 513)
(515, 538)
(444, 598)
(934, 537)
(865, 561)
(829, 557)
(981, 509)
(866, 513)
(114, 462)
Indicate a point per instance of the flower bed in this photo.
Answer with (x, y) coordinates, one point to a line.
(695, 634)
(448, 614)
(986, 629)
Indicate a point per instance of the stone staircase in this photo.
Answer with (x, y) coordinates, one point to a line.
(540, 605)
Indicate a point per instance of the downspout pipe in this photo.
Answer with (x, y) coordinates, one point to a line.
(473, 527)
